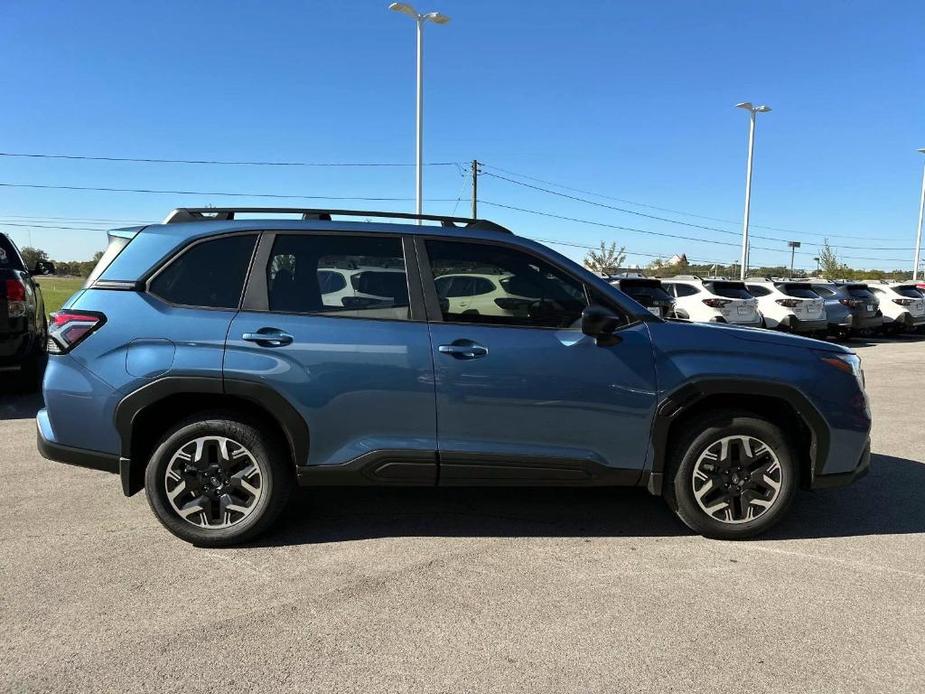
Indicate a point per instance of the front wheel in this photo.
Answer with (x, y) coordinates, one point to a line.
(216, 480)
(734, 476)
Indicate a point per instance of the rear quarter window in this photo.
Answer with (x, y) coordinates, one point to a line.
(209, 274)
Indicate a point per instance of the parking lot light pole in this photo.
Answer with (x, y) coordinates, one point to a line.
(419, 18)
(793, 251)
(753, 111)
(918, 234)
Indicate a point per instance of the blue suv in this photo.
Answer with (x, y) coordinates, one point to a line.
(217, 361)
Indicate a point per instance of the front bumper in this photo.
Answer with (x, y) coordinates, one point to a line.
(842, 479)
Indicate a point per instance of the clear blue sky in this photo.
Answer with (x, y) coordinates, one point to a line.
(630, 99)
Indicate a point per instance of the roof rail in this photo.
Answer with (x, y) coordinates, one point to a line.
(204, 214)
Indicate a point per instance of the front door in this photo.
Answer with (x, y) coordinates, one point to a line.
(522, 394)
(328, 325)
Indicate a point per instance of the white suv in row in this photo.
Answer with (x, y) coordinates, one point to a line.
(789, 305)
(711, 300)
(902, 304)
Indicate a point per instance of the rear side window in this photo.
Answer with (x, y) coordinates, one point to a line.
(369, 271)
(730, 290)
(801, 291)
(209, 274)
(823, 291)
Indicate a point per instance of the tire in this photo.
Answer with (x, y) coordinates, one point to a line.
(233, 480)
(752, 502)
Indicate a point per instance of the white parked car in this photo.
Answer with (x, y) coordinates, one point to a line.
(902, 304)
(482, 294)
(789, 305)
(711, 300)
(363, 286)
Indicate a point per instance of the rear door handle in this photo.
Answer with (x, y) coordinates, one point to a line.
(463, 349)
(269, 337)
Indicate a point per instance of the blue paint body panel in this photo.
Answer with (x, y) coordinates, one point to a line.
(365, 385)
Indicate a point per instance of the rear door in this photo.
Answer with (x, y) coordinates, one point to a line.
(524, 396)
(359, 372)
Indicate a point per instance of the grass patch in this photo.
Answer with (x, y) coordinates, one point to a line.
(57, 290)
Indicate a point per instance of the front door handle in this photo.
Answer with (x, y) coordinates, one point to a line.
(269, 337)
(463, 349)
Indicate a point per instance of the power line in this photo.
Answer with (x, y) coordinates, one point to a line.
(666, 235)
(215, 162)
(681, 212)
(572, 244)
(154, 191)
(676, 221)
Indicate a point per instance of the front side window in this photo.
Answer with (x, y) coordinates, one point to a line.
(209, 274)
(503, 286)
(338, 275)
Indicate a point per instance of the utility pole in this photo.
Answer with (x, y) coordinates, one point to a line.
(793, 251)
(475, 188)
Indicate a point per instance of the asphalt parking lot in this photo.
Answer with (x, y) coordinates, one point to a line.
(471, 590)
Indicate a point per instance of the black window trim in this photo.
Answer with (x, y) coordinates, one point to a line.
(256, 293)
(175, 256)
(432, 301)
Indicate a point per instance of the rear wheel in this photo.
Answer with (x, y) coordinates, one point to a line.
(734, 475)
(216, 480)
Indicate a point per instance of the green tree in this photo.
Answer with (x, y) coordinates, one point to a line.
(832, 268)
(32, 255)
(607, 260)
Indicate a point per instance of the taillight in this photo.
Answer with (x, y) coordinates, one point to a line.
(903, 302)
(789, 303)
(15, 298)
(717, 303)
(851, 303)
(70, 328)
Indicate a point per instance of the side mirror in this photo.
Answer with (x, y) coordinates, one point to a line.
(600, 323)
(44, 267)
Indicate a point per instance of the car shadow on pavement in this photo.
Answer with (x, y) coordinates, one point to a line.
(17, 405)
(887, 501)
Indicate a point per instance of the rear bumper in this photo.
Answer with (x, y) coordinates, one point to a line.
(870, 323)
(95, 460)
(798, 325)
(842, 479)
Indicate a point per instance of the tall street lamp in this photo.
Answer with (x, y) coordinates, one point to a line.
(753, 110)
(793, 249)
(420, 19)
(918, 234)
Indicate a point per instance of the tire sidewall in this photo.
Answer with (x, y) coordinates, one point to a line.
(682, 493)
(266, 457)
